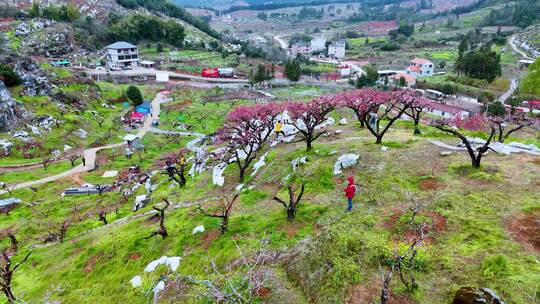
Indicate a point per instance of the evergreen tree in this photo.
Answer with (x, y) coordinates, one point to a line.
(8, 76)
(293, 70)
(402, 82)
(480, 63)
(134, 95)
(369, 78)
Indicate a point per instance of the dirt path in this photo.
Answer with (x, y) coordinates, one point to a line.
(281, 42)
(90, 154)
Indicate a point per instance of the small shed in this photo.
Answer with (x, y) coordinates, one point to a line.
(9, 203)
(131, 138)
(144, 108)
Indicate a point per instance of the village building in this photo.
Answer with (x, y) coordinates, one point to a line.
(524, 63)
(121, 54)
(410, 81)
(419, 67)
(318, 44)
(447, 111)
(300, 48)
(337, 50)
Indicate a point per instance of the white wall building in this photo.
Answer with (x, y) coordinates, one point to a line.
(337, 50)
(300, 48)
(419, 67)
(122, 54)
(318, 44)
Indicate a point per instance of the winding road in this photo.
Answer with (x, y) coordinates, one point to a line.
(90, 154)
(513, 82)
(281, 42)
(516, 49)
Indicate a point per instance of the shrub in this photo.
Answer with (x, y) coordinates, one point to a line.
(486, 97)
(389, 47)
(8, 76)
(134, 95)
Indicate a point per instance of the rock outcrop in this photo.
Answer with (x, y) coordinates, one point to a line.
(473, 295)
(34, 79)
(10, 110)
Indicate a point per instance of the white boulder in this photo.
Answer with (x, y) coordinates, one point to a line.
(345, 161)
(198, 229)
(260, 163)
(136, 281)
(217, 174)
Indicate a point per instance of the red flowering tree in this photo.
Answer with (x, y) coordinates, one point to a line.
(308, 117)
(362, 102)
(266, 114)
(389, 107)
(457, 125)
(246, 130)
(418, 105)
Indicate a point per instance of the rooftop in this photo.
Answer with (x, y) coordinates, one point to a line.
(338, 44)
(418, 60)
(146, 104)
(446, 108)
(408, 78)
(9, 202)
(121, 45)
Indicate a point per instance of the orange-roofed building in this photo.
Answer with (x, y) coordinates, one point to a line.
(419, 67)
(409, 79)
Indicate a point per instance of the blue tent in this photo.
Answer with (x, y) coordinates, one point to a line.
(144, 108)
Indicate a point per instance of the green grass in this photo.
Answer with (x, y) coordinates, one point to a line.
(471, 248)
(359, 42)
(35, 174)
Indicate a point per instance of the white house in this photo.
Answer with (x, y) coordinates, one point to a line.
(122, 54)
(337, 50)
(420, 67)
(300, 48)
(318, 44)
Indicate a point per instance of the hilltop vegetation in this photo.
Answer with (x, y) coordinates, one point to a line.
(171, 10)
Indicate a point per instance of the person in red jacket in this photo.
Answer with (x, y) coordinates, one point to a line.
(350, 191)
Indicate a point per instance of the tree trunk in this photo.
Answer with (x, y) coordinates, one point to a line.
(224, 224)
(241, 174)
(379, 140)
(416, 125)
(476, 161)
(291, 213)
(9, 294)
(309, 141)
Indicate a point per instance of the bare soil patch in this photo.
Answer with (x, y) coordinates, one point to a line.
(525, 229)
(208, 237)
(178, 106)
(370, 292)
(291, 228)
(436, 227)
(92, 262)
(430, 184)
(134, 256)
